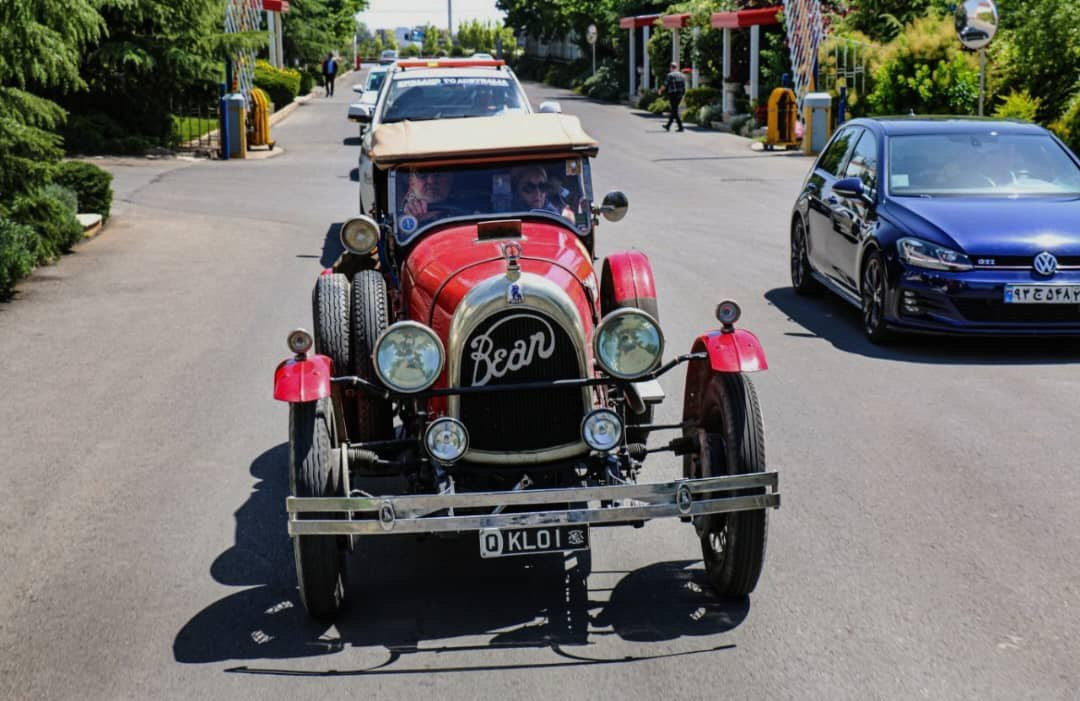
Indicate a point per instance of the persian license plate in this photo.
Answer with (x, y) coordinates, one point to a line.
(503, 542)
(1042, 294)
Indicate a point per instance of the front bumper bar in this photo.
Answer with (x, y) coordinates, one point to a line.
(631, 503)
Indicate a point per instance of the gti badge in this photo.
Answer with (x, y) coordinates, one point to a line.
(1045, 264)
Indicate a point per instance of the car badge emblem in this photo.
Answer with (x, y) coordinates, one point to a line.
(514, 294)
(408, 223)
(1045, 263)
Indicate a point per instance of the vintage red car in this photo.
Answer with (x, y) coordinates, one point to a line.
(469, 346)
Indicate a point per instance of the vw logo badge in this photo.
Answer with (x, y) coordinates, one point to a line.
(1045, 263)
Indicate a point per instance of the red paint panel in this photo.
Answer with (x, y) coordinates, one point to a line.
(302, 380)
(676, 21)
(638, 22)
(631, 277)
(738, 351)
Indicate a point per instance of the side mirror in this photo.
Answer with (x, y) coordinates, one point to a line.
(358, 88)
(550, 107)
(361, 113)
(614, 205)
(851, 188)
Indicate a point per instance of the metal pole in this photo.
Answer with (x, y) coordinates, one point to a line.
(633, 64)
(594, 58)
(755, 59)
(646, 69)
(450, 19)
(982, 78)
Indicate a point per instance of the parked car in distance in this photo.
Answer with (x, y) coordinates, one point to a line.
(360, 111)
(469, 346)
(451, 88)
(943, 225)
(388, 56)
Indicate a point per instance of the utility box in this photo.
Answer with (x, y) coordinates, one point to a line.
(782, 116)
(235, 143)
(817, 113)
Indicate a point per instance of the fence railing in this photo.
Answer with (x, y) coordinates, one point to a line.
(197, 128)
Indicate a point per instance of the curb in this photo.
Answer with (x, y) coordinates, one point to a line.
(92, 224)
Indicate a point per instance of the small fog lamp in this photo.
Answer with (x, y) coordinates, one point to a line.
(300, 341)
(602, 430)
(727, 313)
(446, 440)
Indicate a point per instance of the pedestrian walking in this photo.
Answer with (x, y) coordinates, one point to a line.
(674, 88)
(329, 72)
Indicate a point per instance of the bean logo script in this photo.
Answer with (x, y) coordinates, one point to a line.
(495, 360)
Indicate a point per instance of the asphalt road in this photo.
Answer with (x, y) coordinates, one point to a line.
(926, 547)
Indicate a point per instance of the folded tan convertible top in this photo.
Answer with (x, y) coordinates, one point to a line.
(479, 137)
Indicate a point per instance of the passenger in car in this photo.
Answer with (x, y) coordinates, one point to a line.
(533, 191)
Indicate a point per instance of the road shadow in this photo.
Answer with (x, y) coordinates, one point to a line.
(410, 596)
(354, 175)
(352, 141)
(332, 246)
(830, 318)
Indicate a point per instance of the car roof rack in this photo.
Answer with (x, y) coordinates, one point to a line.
(450, 63)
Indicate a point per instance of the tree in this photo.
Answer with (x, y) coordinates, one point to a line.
(42, 41)
(313, 28)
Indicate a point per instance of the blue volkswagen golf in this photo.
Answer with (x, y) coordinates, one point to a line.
(946, 225)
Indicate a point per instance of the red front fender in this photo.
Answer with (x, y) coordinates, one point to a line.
(302, 380)
(627, 281)
(737, 351)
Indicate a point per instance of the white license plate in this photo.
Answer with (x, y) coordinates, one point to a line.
(1042, 294)
(503, 542)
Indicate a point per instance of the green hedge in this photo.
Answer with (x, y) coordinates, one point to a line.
(56, 226)
(282, 85)
(1068, 127)
(91, 184)
(307, 82)
(605, 85)
(696, 98)
(18, 247)
(646, 98)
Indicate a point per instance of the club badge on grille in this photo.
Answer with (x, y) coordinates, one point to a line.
(515, 294)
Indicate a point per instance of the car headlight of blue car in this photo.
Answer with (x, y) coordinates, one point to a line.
(923, 254)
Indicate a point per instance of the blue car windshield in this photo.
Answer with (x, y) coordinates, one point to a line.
(551, 188)
(446, 97)
(985, 163)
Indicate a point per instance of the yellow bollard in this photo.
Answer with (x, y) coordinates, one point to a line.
(260, 119)
(783, 113)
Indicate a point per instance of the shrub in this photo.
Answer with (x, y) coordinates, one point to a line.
(17, 254)
(64, 195)
(56, 226)
(659, 106)
(604, 85)
(696, 98)
(91, 184)
(1068, 126)
(307, 82)
(1018, 105)
(711, 113)
(551, 75)
(96, 132)
(410, 51)
(282, 85)
(742, 122)
(925, 70)
(646, 98)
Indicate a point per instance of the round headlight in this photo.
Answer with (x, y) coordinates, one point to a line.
(300, 341)
(628, 343)
(360, 235)
(601, 430)
(446, 440)
(727, 312)
(408, 357)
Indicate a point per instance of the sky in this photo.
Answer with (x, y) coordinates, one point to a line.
(390, 14)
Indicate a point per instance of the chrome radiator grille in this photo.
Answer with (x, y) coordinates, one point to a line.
(511, 347)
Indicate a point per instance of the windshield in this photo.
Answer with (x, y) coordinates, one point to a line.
(444, 97)
(985, 163)
(553, 188)
(375, 80)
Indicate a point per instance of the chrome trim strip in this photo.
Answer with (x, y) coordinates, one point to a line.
(488, 298)
(402, 514)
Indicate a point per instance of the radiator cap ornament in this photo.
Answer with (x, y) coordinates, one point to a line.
(515, 293)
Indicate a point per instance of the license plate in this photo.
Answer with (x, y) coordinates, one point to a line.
(1042, 294)
(503, 542)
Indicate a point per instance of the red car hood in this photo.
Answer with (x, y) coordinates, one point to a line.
(446, 265)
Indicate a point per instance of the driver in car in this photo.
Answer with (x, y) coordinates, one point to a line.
(428, 196)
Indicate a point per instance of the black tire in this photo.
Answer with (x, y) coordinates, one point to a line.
(733, 545)
(875, 292)
(330, 311)
(370, 317)
(802, 278)
(320, 559)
